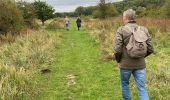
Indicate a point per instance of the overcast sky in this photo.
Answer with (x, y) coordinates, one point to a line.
(71, 5)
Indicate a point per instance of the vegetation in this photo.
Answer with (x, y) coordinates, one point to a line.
(11, 19)
(151, 8)
(21, 63)
(78, 72)
(166, 9)
(62, 15)
(80, 67)
(104, 11)
(86, 11)
(55, 24)
(43, 11)
(25, 56)
(28, 13)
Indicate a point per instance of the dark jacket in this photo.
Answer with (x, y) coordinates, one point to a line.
(78, 22)
(121, 40)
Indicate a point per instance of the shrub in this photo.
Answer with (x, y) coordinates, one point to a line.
(104, 11)
(29, 14)
(11, 19)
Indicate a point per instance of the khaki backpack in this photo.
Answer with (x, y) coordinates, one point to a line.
(137, 46)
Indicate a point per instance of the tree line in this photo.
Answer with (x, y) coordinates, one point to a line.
(150, 8)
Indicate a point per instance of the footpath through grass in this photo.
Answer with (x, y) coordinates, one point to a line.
(78, 73)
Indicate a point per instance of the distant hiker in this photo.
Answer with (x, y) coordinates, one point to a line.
(132, 45)
(67, 23)
(78, 23)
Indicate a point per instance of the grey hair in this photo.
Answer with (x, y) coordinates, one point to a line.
(130, 14)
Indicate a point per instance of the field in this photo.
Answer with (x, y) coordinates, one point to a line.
(54, 64)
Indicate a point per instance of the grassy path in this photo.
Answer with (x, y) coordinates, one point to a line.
(78, 73)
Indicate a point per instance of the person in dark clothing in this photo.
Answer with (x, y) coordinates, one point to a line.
(78, 23)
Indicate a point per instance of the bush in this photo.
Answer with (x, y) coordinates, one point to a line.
(11, 19)
(29, 14)
(105, 11)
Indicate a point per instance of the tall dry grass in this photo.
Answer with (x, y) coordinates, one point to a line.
(55, 24)
(21, 63)
(104, 32)
(161, 24)
(158, 70)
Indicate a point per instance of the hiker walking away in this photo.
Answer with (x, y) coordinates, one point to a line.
(78, 23)
(67, 23)
(132, 46)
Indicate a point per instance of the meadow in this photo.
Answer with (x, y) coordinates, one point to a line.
(40, 60)
(80, 63)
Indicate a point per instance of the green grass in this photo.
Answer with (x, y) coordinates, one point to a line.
(79, 73)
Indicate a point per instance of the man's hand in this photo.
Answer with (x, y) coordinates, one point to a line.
(118, 57)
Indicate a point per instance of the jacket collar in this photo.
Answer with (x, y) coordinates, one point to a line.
(132, 21)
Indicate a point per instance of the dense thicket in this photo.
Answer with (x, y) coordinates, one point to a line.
(166, 8)
(70, 14)
(152, 8)
(85, 10)
(104, 10)
(11, 19)
(28, 13)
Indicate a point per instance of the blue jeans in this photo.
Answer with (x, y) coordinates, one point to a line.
(139, 76)
(67, 27)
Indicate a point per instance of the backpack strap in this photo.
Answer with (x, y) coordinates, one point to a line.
(138, 37)
(132, 30)
(129, 28)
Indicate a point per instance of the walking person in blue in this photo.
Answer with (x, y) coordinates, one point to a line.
(132, 45)
(78, 21)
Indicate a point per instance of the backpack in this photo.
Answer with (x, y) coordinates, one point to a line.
(137, 46)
